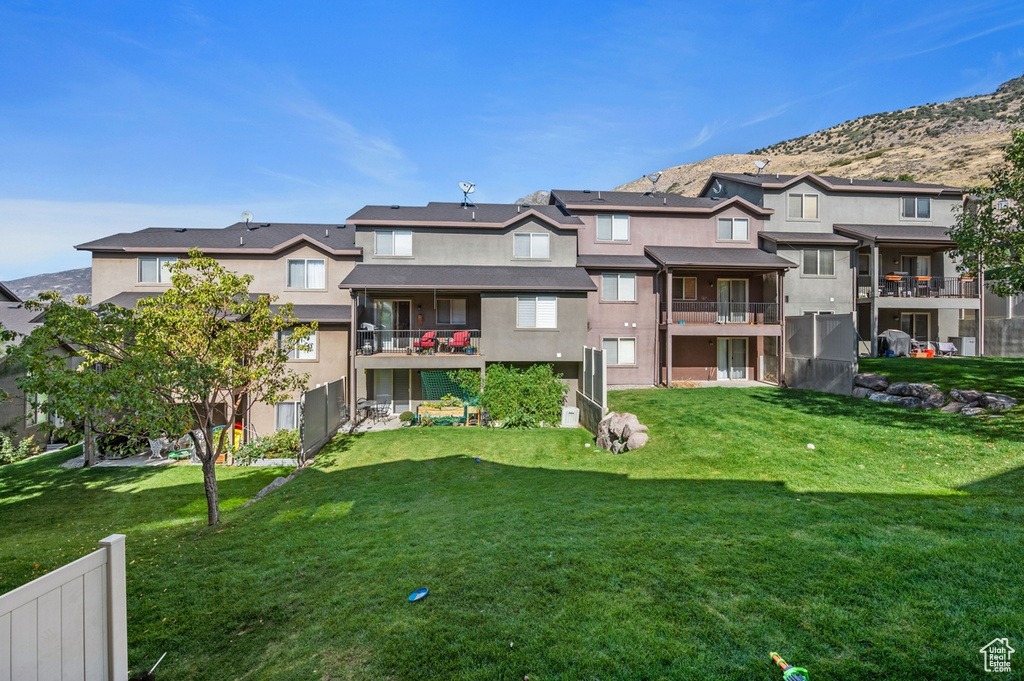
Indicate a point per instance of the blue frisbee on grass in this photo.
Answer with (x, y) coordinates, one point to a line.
(418, 595)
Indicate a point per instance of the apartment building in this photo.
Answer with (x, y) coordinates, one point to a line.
(682, 290)
(299, 263)
(450, 286)
(876, 248)
(17, 416)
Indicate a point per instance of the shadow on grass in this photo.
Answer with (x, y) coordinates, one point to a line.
(590, 575)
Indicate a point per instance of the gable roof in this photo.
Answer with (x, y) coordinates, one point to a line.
(924, 234)
(470, 277)
(718, 258)
(256, 238)
(649, 202)
(479, 216)
(7, 294)
(807, 238)
(835, 184)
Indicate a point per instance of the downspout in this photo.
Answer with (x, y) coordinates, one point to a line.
(657, 332)
(875, 274)
(782, 322)
(353, 327)
(981, 307)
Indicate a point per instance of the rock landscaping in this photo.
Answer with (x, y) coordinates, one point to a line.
(877, 388)
(621, 433)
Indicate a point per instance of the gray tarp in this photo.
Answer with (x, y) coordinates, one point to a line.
(894, 340)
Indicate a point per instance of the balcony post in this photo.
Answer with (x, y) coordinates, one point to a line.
(874, 298)
(668, 327)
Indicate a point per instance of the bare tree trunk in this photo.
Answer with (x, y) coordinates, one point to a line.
(210, 485)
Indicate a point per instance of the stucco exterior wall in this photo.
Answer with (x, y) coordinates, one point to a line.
(502, 341)
(466, 246)
(608, 319)
(808, 292)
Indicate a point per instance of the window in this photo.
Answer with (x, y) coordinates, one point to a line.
(820, 262)
(619, 351)
(154, 270)
(684, 288)
(811, 313)
(620, 287)
(305, 350)
(537, 312)
(732, 229)
(306, 274)
(287, 415)
(530, 245)
(397, 242)
(613, 228)
(919, 207)
(451, 311)
(803, 206)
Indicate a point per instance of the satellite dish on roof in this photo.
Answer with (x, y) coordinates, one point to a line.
(653, 178)
(717, 187)
(467, 189)
(761, 165)
(246, 217)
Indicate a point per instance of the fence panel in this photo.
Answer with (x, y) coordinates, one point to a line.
(800, 336)
(71, 623)
(323, 412)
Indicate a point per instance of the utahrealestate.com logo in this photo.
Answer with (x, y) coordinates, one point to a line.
(997, 655)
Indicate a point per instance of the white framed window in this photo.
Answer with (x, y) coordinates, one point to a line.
(451, 311)
(155, 270)
(684, 288)
(305, 350)
(306, 273)
(613, 228)
(619, 351)
(537, 312)
(820, 262)
(527, 245)
(803, 206)
(916, 207)
(394, 242)
(733, 229)
(618, 286)
(811, 313)
(287, 415)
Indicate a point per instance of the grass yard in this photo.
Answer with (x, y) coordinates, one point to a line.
(892, 550)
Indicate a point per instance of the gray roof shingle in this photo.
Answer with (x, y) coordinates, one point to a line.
(724, 258)
(807, 238)
(897, 233)
(774, 181)
(473, 277)
(237, 238)
(586, 198)
(616, 262)
(481, 215)
(324, 314)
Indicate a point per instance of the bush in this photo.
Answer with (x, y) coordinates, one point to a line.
(407, 417)
(284, 444)
(9, 453)
(119, 446)
(524, 398)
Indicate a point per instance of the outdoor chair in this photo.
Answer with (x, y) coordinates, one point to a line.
(946, 349)
(459, 341)
(159, 447)
(427, 341)
(382, 408)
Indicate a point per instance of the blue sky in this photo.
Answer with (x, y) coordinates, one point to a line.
(116, 116)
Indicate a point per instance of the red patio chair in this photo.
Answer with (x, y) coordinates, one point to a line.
(459, 341)
(427, 341)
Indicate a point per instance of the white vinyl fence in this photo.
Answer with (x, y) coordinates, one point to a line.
(71, 624)
(323, 412)
(592, 397)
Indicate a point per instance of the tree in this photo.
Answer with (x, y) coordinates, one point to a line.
(987, 230)
(179, 362)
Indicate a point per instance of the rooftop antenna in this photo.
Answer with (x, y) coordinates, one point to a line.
(247, 217)
(761, 165)
(717, 187)
(467, 189)
(653, 177)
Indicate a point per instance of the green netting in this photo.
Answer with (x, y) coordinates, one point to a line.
(436, 384)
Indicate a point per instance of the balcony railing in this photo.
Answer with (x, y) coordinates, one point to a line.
(904, 286)
(724, 313)
(452, 341)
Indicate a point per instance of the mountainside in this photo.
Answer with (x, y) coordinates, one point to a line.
(69, 283)
(954, 143)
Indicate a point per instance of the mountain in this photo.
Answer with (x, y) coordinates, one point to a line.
(70, 283)
(955, 143)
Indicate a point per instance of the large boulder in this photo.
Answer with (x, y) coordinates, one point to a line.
(885, 398)
(615, 424)
(972, 411)
(901, 389)
(871, 381)
(921, 390)
(603, 442)
(996, 401)
(966, 396)
(932, 399)
(633, 425)
(909, 402)
(617, 447)
(954, 408)
(863, 392)
(636, 441)
(604, 426)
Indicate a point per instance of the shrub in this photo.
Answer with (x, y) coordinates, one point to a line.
(284, 444)
(524, 398)
(407, 417)
(9, 453)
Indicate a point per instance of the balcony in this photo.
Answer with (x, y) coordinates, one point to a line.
(686, 312)
(900, 285)
(418, 343)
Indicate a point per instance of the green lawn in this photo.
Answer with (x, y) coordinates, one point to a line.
(996, 374)
(891, 550)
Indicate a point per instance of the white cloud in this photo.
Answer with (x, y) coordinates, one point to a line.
(706, 133)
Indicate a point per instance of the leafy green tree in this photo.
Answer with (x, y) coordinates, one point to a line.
(987, 230)
(179, 362)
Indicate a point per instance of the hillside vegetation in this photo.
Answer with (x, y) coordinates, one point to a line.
(954, 143)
